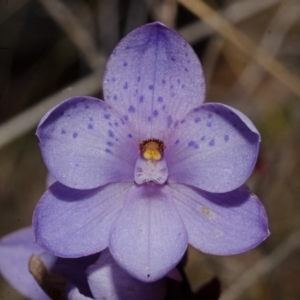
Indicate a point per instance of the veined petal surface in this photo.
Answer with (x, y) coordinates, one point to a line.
(86, 144)
(73, 223)
(153, 78)
(15, 250)
(214, 149)
(148, 237)
(109, 281)
(222, 224)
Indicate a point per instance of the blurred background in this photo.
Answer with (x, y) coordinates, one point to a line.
(250, 51)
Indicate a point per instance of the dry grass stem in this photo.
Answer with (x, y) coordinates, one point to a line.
(241, 41)
(74, 30)
(235, 13)
(263, 267)
(26, 120)
(272, 40)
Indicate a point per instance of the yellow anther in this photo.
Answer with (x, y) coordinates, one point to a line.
(152, 150)
(152, 154)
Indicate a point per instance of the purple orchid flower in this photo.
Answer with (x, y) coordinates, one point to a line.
(151, 169)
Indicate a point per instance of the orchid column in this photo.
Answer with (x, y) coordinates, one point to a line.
(151, 169)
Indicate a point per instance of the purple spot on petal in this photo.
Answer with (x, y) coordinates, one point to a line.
(212, 142)
(130, 135)
(169, 120)
(63, 131)
(110, 133)
(141, 99)
(149, 119)
(208, 124)
(209, 115)
(75, 135)
(176, 142)
(125, 64)
(125, 117)
(164, 107)
(163, 81)
(108, 151)
(173, 59)
(131, 109)
(155, 113)
(125, 87)
(116, 124)
(106, 116)
(186, 69)
(182, 121)
(86, 106)
(171, 86)
(151, 87)
(110, 144)
(113, 79)
(193, 144)
(90, 126)
(176, 124)
(203, 138)
(115, 97)
(197, 120)
(226, 137)
(160, 99)
(139, 79)
(183, 86)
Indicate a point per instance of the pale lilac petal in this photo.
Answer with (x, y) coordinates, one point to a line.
(73, 223)
(222, 224)
(84, 142)
(108, 281)
(214, 149)
(153, 78)
(148, 237)
(73, 293)
(15, 250)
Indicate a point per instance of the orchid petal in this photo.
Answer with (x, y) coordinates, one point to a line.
(72, 223)
(149, 75)
(73, 293)
(214, 149)
(222, 224)
(84, 142)
(15, 250)
(148, 237)
(108, 281)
